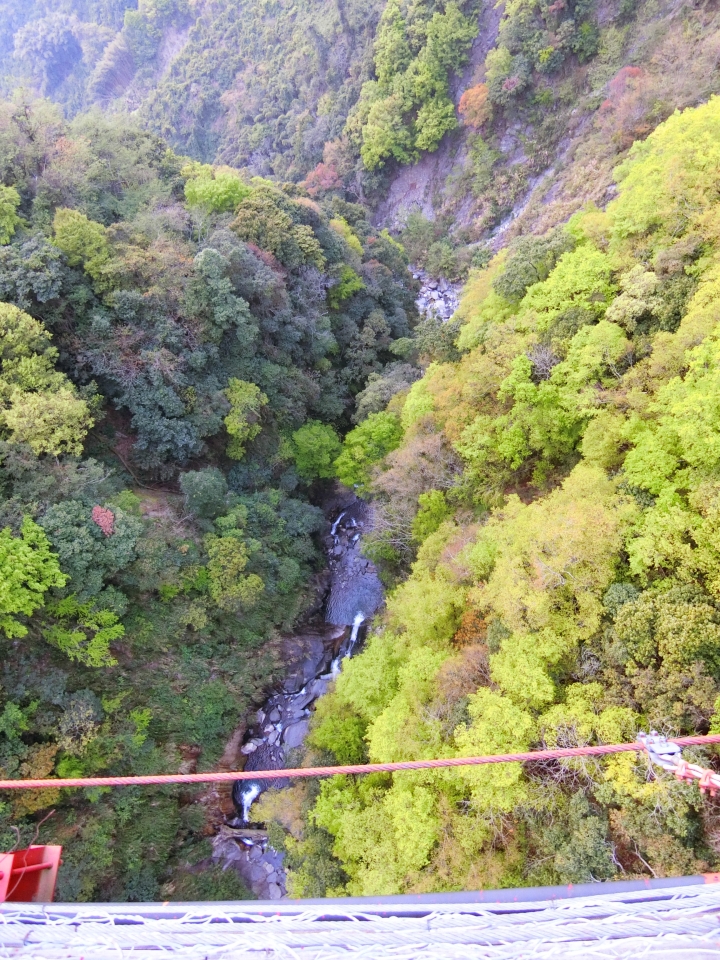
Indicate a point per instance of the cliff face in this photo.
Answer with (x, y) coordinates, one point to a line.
(274, 89)
(550, 155)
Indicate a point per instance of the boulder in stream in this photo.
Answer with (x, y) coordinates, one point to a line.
(305, 656)
(294, 735)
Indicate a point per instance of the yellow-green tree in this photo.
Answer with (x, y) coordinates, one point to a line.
(230, 587)
(38, 405)
(9, 220)
(83, 241)
(242, 423)
(28, 569)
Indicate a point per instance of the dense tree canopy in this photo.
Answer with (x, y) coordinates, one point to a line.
(559, 584)
(180, 346)
(203, 326)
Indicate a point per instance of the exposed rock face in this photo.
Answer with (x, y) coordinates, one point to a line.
(437, 297)
(294, 735)
(305, 655)
(249, 853)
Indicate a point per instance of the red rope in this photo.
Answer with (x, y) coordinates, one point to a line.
(162, 779)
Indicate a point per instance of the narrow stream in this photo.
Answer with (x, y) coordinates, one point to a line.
(315, 655)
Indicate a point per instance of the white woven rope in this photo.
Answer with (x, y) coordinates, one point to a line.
(664, 924)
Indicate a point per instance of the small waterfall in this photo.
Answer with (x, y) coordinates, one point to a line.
(357, 623)
(249, 795)
(333, 529)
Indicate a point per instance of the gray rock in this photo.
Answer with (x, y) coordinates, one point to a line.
(256, 872)
(318, 687)
(295, 734)
(248, 748)
(274, 891)
(297, 707)
(274, 715)
(296, 711)
(307, 653)
(228, 850)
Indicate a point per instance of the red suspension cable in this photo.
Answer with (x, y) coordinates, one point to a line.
(163, 779)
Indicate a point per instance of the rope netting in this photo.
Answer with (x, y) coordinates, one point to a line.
(674, 922)
(690, 771)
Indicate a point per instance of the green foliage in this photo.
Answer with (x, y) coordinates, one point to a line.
(205, 492)
(530, 261)
(83, 241)
(28, 569)
(246, 403)
(679, 624)
(89, 556)
(348, 284)
(315, 448)
(434, 510)
(215, 191)
(175, 305)
(84, 632)
(229, 588)
(201, 305)
(546, 496)
(408, 108)
(669, 198)
(38, 405)
(9, 220)
(214, 883)
(418, 404)
(337, 728)
(366, 445)
(400, 838)
(533, 41)
(269, 219)
(582, 546)
(581, 279)
(496, 726)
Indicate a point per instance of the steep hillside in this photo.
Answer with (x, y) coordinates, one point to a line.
(548, 512)
(204, 322)
(484, 119)
(178, 349)
(262, 85)
(538, 152)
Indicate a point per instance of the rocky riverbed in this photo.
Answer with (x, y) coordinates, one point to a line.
(314, 655)
(438, 297)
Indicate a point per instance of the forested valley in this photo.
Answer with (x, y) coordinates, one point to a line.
(210, 217)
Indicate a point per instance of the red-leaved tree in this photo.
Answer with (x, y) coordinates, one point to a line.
(322, 179)
(475, 107)
(105, 519)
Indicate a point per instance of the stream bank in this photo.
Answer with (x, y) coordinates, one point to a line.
(350, 593)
